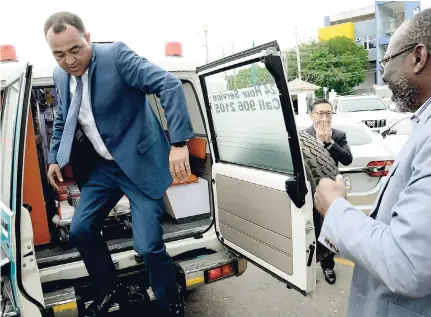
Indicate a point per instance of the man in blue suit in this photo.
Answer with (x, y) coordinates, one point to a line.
(106, 129)
(391, 249)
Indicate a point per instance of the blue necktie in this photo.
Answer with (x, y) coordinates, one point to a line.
(65, 148)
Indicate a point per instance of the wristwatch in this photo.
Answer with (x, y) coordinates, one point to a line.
(329, 144)
(179, 144)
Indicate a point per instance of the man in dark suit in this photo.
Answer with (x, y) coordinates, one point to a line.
(102, 91)
(335, 142)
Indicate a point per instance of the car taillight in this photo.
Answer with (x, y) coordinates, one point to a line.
(379, 168)
(220, 272)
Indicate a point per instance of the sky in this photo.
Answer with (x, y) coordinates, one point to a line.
(146, 26)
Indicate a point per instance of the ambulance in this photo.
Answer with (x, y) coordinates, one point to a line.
(250, 200)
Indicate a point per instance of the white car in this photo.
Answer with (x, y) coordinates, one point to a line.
(372, 158)
(369, 109)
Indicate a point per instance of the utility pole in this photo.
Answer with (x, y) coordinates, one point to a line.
(234, 71)
(298, 59)
(253, 72)
(206, 43)
(223, 55)
(286, 67)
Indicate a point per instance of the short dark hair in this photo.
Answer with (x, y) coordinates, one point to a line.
(318, 102)
(60, 20)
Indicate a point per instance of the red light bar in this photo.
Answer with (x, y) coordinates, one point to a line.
(8, 53)
(174, 49)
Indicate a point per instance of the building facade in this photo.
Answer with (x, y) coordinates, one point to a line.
(370, 27)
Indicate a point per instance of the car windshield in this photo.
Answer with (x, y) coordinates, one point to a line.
(361, 104)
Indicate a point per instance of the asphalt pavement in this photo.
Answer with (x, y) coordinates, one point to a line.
(258, 294)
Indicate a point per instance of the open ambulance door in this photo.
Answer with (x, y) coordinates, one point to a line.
(23, 283)
(263, 204)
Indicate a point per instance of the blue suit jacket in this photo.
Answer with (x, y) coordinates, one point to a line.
(119, 81)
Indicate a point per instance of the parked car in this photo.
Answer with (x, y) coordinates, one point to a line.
(372, 160)
(369, 109)
(260, 175)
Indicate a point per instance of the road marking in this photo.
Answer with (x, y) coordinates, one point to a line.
(344, 262)
(63, 307)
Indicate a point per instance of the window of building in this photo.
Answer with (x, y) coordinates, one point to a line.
(369, 42)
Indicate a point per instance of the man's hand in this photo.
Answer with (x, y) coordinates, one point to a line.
(327, 133)
(320, 131)
(323, 131)
(54, 175)
(179, 163)
(327, 192)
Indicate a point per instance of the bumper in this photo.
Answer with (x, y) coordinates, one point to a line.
(364, 201)
(194, 271)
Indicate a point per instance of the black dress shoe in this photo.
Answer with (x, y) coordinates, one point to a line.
(99, 308)
(330, 276)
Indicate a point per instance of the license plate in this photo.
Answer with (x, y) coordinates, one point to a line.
(346, 182)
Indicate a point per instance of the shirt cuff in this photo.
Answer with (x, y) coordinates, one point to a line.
(327, 236)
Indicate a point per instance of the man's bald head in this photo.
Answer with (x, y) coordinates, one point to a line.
(407, 62)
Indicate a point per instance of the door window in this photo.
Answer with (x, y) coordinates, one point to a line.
(257, 155)
(7, 135)
(248, 120)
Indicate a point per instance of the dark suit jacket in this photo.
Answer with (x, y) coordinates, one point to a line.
(118, 87)
(340, 150)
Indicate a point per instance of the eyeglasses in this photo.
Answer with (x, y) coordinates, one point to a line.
(384, 61)
(323, 113)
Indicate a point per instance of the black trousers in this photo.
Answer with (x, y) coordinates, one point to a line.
(328, 263)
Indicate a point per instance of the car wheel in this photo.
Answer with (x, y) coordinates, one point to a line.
(318, 164)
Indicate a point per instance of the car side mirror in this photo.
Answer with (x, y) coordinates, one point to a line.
(393, 131)
(389, 132)
(385, 132)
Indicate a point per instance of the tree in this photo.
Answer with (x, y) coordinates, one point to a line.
(338, 64)
(244, 78)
